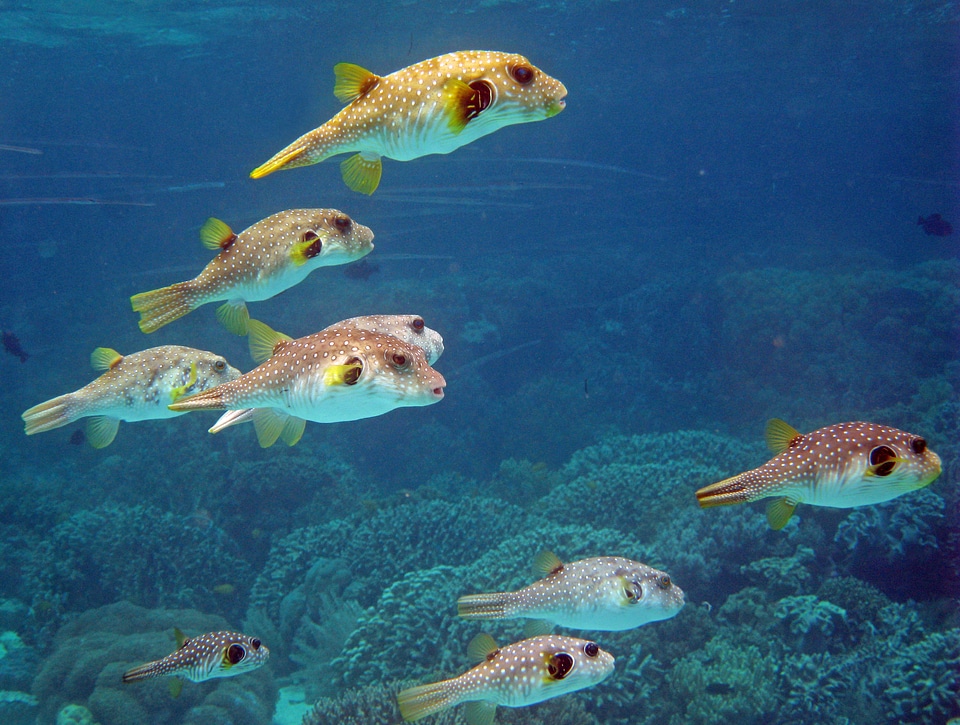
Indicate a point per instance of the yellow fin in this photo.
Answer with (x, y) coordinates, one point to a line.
(181, 390)
(175, 686)
(303, 252)
(215, 234)
(779, 435)
(537, 627)
(779, 512)
(263, 340)
(180, 637)
(342, 374)
(481, 647)
(479, 712)
(352, 81)
(234, 316)
(361, 173)
(293, 430)
(268, 424)
(546, 563)
(104, 358)
(101, 430)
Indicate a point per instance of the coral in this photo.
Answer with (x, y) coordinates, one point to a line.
(783, 575)
(17, 708)
(75, 715)
(814, 622)
(861, 601)
(140, 554)
(92, 652)
(725, 682)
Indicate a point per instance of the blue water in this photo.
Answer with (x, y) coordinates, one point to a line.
(720, 228)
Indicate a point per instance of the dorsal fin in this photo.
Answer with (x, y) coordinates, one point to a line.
(215, 234)
(180, 637)
(780, 435)
(482, 647)
(352, 82)
(547, 563)
(264, 342)
(104, 358)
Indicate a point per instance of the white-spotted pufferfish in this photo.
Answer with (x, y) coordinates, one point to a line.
(431, 107)
(263, 260)
(133, 387)
(839, 466)
(338, 374)
(205, 657)
(520, 674)
(609, 593)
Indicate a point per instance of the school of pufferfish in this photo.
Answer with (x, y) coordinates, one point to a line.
(367, 366)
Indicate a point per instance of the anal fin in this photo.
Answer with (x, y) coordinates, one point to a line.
(362, 173)
(779, 511)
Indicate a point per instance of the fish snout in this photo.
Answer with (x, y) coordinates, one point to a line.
(437, 384)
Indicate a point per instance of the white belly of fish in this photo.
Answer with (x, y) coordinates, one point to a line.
(321, 403)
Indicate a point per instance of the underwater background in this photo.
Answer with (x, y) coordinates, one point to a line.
(720, 228)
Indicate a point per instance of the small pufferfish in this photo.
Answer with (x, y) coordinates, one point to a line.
(839, 466)
(608, 593)
(431, 107)
(520, 674)
(205, 657)
(335, 375)
(263, 260)
(133, 387)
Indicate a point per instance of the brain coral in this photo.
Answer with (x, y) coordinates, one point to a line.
(92, 652)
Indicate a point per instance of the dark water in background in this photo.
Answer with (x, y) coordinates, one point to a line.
(579, 269)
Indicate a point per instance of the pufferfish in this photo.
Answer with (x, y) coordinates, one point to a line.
(410, 328)
(840, 466)
(263, 260)
(520, 674)
(335, 375)
(133, 387)
(607, 593)
(205, 657)
(431, 107)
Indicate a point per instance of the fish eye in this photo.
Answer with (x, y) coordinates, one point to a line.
(236, 653)
(663, 581)
(342, 222)
(590, 649)
(220, 365)
(522, 74)
(918, 445)
(560, 665)
(399, 359)
(418, 325)
(881, 458)
(255, 643)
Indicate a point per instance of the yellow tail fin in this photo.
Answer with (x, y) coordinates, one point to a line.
(160, 307)
(723, 493)
(482, 606)
(418, 702)
(49, 415)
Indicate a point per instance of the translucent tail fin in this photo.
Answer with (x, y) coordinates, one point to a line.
(49, 415)
(160, 307)
(418, 702)
(214, 399)
(143, 672)
(483, 606)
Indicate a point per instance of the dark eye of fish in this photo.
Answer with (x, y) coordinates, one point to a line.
(399, 359)
(255, 643)
(522, 74)
(590, 649)
(918, 445)
(663, 582)
(220, 365)
(236, 653)
(418, 324)
(560, 665)
(316, 246)
(342, 222)
(880, 457)
(482, 96)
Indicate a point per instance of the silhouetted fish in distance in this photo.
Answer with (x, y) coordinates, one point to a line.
(12, 345)
(935, 225)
